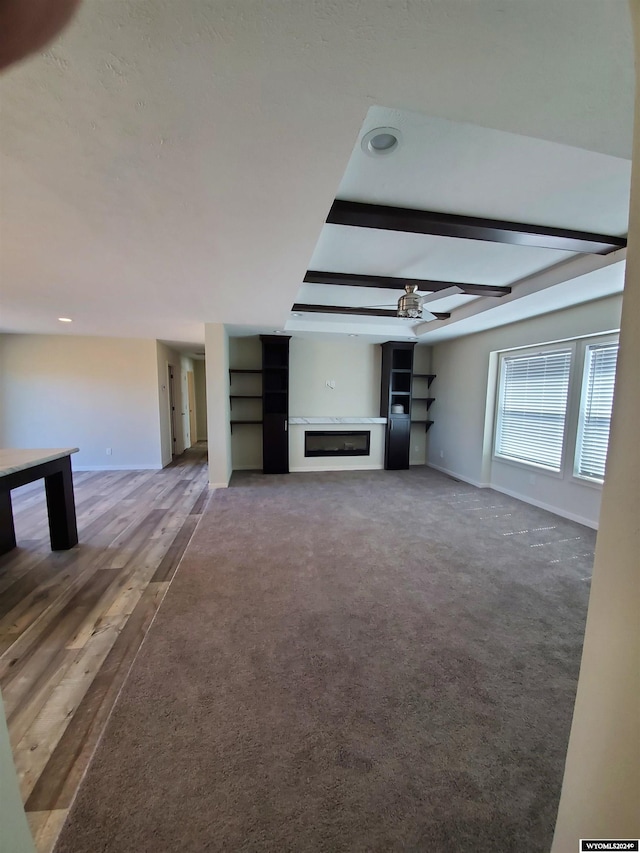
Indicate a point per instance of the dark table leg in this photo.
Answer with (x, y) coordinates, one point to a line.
(7, 530)
(61, 507)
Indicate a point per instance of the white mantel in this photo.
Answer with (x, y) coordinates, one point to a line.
(346, 420)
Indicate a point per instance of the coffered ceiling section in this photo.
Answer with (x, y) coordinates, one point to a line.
(469, 218)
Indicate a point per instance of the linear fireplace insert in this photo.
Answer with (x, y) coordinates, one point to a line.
(337, 443)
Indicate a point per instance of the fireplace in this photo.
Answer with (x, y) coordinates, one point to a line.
(337, 443)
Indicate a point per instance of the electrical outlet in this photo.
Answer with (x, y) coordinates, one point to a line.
(108, 451)
(442, 454)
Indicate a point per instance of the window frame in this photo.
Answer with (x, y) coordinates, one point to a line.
(586, 345)
(524, 352)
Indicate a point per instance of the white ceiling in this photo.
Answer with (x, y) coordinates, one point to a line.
(168, 163)
(463, 169)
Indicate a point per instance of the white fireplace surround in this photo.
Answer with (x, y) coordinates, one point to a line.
(299, 462)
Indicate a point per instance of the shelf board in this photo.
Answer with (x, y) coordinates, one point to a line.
(400, 393)
(427, 400)
(426, 423)
(428, 376)
(244, 370)
(401, 370)
(245, 396)
(233, 423)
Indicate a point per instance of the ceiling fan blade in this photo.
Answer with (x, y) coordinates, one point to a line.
(307, 308)
(441, 294)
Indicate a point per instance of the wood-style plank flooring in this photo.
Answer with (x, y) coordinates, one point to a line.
(71, 622)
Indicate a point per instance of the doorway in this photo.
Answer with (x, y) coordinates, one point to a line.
(191, 394)
(172, 410)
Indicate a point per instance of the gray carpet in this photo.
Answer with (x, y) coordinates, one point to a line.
(370, 661)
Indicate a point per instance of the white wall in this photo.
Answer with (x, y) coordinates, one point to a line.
(601, 785)
(218, 429)
(91, 393)
(14, 829)
(200, 381)
(460, 441)
(355, 368)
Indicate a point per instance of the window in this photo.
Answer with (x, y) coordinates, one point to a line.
(595, 411)
(532, 407)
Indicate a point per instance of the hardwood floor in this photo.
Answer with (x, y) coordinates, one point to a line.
(71, 622)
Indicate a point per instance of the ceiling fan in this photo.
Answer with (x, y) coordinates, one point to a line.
(410, 305)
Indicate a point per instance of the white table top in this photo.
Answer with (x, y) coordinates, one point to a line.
(12, 460)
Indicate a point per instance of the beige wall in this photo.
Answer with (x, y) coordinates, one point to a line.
(91, 393)
(14, 830)
(601, 787)
(461, 438)
(200, 380)
(246, 440)
(353, 366)
(218, 429)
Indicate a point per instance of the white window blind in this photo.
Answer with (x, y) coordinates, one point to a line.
(532, 406)
(595, 410)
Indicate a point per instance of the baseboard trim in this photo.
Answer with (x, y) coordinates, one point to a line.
(457, 476)
(571, 516)
(304, 469)
(116, 467)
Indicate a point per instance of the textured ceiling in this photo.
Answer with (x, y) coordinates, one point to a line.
(168, 163)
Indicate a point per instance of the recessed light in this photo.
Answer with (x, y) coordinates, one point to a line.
(65, 320)
(380, 141)
(277, 332)
(353, 336)
(295, 314)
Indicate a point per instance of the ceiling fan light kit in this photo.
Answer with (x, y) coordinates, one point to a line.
(410, 304)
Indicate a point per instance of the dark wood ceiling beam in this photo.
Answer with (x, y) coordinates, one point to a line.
(392, 283)
(362, 215)
(304, 308)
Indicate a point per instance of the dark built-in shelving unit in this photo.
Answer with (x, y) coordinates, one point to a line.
(274, 396)
(395, 390)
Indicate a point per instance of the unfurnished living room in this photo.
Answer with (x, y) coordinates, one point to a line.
(319, 471)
